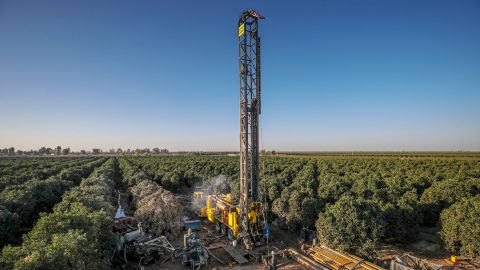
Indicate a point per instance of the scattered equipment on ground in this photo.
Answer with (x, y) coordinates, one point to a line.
(193, 224)
(237, 253)
(134, 242)
(194, 253)
(409, 262)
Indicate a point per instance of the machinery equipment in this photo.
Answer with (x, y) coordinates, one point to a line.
(243, 222)
(221, 210)
(194, 254)
(133, 241)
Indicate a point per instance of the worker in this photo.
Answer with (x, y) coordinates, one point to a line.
(266, 232)
(304, 234)
(273, 261)
(186, 237)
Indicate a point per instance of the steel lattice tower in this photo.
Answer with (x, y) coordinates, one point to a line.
(250, 108)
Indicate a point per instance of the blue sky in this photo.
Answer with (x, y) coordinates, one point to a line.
(337, 75)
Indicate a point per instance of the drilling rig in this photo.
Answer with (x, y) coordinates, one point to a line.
(250, 109)
(245, 220)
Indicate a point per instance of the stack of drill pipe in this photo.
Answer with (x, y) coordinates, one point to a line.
(337, 260)
(157, 209)
(305, 261)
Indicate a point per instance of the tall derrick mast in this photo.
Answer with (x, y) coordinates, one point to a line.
(245, 221)
(250, 108)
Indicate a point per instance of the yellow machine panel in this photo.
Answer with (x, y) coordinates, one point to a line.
(203, 212)
(220, 209)
(199, 204)
(231, 219)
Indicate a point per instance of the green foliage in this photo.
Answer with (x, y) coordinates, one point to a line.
(402, 191)
(28, 199)
(17, 171)
(403, 218)
(75, 239)
(171, 180)
(409, 190)
(444, 193)
(94, 198)
(8, 223)
(77, 234)
(353, 225)
(460, 228)
(298, 204)
(332, 188)
(33, 197)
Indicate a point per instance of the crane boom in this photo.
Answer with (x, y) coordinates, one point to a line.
(249, 69)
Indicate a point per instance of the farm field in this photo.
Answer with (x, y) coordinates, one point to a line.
(239, 135)
(359, 202)
(30, 186)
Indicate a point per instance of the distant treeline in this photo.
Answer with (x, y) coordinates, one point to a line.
(385, 154)
(57, 151)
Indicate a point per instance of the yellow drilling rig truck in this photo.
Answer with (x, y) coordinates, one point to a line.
(244, 221)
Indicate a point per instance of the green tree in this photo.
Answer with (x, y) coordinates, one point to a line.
(75, 239)
(8, 224)
(403, 218)
(351, 225)
(443, 194)
(460, 227)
